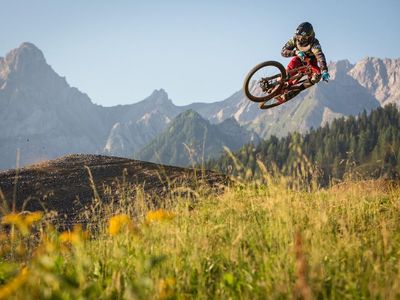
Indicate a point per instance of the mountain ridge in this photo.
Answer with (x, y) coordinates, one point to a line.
(44, 117)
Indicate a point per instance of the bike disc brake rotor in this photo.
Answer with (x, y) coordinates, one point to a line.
(267, 85)
(266, 78)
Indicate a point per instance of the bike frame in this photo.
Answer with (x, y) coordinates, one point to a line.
(294, 77)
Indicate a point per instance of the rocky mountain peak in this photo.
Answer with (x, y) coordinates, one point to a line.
(25, 59)
(159, 97)
(24, 71)
(340, 68)
(380, 77)
(26, 51)
(369, 68)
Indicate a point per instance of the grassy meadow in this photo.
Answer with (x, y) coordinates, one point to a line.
(257, 240)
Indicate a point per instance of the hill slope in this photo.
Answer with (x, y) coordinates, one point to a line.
(58, 184)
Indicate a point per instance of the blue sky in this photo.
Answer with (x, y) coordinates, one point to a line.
(118, 52)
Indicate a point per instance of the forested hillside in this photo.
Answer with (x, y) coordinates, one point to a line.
(366, 146)
(190, 139)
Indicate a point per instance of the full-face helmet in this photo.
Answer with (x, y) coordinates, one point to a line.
(304, 34)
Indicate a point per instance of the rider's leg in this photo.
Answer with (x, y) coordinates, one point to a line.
(316, 76)
(294, 63)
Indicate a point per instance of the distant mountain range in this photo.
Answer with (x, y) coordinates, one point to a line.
(43, 117)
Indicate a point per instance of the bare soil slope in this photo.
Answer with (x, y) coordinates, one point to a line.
(64, 185)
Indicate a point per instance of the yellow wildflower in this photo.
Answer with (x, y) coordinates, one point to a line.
(75, 237)
(69, 237)
(17, 220)
(33, 217)
(12, 218)
(22, 222)
(159, 215)
(10, 287)
(166, 288)
(118, 223)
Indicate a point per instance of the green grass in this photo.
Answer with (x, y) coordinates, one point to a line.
(255, 241)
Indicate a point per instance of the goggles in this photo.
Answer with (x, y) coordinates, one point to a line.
(302, 39)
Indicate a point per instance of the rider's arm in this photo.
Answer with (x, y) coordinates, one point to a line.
(289, 49)
(317, 51)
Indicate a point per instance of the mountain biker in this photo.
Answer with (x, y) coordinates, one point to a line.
(304, 45)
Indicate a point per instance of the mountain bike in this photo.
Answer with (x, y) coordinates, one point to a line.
(268, 82)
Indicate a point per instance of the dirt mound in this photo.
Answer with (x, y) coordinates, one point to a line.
(64, 185)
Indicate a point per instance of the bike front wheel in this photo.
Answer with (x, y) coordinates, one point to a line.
(264, 81)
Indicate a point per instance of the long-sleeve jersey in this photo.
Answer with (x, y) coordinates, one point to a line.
(314, 49)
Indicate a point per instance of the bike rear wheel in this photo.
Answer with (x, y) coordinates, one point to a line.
(264, 81)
